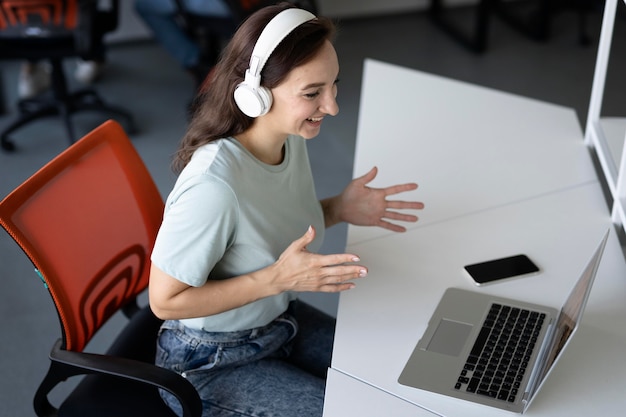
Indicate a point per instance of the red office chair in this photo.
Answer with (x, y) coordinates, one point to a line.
(52, 31)
(87, 221)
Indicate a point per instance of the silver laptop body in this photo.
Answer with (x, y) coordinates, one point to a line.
(460, 357)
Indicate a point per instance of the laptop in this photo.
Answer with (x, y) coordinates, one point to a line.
(492, 350)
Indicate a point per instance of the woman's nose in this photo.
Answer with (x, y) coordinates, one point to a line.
(330, 106)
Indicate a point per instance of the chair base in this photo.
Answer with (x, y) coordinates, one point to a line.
(62, 104)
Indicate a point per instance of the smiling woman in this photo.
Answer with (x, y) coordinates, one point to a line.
(242, 224)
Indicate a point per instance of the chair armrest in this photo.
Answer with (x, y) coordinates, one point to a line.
(92, 363)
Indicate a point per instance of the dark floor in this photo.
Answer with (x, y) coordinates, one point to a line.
(145, 80)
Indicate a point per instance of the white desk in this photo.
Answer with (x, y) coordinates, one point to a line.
(468, 147)
(347, 396)
(532, 208)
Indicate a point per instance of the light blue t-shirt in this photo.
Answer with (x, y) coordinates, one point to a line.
(231, 214)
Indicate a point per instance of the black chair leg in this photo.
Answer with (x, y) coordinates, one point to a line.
(3, 109)
(66, 112)
(6, 144)
(26, 116)
(89, 100)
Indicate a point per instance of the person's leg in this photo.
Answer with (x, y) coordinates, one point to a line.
(33, 79)
(208, 7)
(242, 373)
(90, 65)
(159, 15)
(269, 387)
(160, 18)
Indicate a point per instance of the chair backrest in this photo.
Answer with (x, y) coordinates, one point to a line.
(87, 220)
(32, 17)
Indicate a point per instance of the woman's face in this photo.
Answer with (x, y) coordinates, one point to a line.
(307, 94)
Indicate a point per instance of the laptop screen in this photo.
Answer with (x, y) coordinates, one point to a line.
(572, 311)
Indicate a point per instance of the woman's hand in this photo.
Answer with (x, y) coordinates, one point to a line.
(297, 269)
(361, 205)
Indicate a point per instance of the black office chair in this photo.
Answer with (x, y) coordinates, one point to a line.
(52, 31)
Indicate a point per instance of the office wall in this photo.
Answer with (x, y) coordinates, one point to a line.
(131, 28)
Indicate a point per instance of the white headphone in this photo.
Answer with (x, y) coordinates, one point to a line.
(252, 99)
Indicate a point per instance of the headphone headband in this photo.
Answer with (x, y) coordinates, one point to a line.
(276, 30)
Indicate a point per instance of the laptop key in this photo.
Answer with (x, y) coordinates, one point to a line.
(491, 394)
(473, 385)
(480, 341)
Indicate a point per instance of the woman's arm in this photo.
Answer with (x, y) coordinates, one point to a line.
(297, 269)
(171, 299)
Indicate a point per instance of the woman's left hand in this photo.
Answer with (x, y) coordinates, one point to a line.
(361, 205)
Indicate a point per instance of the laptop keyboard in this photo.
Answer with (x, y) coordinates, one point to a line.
(497, 363)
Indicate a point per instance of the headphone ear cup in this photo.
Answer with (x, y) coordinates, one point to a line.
(253, 102)
(265, 95)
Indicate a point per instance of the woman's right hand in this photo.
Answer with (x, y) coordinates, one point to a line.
(297, 269)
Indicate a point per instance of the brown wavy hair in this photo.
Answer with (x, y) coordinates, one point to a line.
(216, 115)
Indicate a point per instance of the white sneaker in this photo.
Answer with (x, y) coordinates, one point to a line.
(88, 71)
(33, 79)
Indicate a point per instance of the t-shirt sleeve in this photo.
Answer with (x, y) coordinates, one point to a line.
(198, 226)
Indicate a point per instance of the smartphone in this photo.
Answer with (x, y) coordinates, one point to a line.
(499, 269)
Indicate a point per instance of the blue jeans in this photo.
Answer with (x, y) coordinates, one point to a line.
(160, 17)
(278, 370)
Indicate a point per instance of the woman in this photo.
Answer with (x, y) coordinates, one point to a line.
(242, 225)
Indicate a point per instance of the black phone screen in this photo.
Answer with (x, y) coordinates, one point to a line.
(503, 268)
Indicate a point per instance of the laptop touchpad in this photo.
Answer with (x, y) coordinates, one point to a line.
(449, 338)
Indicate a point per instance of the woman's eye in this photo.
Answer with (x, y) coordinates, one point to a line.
(312, 95)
